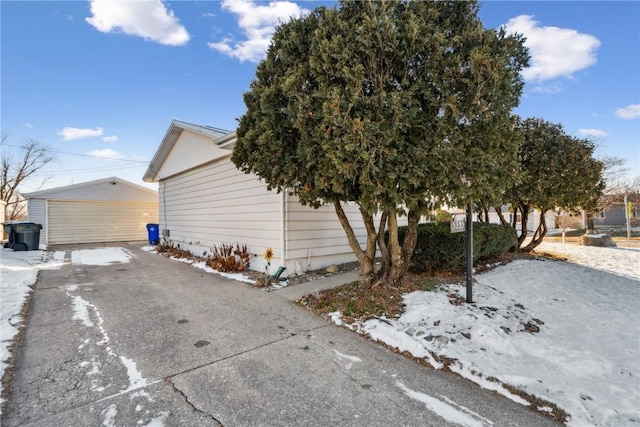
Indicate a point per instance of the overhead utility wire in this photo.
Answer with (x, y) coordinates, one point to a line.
(85, 155)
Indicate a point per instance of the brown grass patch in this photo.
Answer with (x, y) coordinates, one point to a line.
(358, 301)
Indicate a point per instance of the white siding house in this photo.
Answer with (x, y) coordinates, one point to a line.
(205, 201)
(105, 210)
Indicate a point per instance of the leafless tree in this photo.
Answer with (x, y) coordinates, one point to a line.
(15, 167)
(619, 184)
(615, 174)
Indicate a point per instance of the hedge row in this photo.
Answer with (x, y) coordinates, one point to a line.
(438, 249)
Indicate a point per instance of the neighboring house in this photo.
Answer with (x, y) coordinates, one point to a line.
(615, 212)
(205, 201)
(105, 210)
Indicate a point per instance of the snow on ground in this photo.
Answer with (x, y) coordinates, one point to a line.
(585, 356)
(101, 256)
(18, 272)
(623, 261)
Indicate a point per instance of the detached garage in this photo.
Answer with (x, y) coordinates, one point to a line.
(105, 210)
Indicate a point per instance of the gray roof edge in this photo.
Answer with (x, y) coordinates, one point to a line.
(206, 130)
(223, 140)
(49, 191)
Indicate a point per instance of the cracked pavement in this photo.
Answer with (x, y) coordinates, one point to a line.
(157, 342)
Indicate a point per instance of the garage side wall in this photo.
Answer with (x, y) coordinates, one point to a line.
(215, 204)
(37, 212)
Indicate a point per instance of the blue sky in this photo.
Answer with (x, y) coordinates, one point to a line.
(100, 81)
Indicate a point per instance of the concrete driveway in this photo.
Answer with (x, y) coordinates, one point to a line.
(157, 342)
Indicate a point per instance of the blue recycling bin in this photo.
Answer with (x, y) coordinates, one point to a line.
(154, 233)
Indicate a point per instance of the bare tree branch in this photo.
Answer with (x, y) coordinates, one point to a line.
(16, 168)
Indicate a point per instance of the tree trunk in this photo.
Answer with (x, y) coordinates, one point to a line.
(364, 258)
(503, 221)
(394, 270)
(524, 218)
(590, 225)
(372, 236)
(538, 236)
(399, 255)
(411, 237)
(384, 250)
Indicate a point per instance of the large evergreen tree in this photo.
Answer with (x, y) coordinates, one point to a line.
(556, 171)
(393, 105)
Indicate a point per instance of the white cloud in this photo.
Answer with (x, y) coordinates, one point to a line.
(631, 111)
(111, 138)
(69, 134)
(594, 133)
(258, 24)
(27, 125)
(107, 153)
(555, 52)
(148, 19)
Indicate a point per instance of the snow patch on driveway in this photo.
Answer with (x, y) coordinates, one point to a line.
(81, 311)
(101, 256)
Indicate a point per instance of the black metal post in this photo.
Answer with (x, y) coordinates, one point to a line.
(469, 231)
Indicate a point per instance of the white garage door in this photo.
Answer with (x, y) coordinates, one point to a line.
(92, 222)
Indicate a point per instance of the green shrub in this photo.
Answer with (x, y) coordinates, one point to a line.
(438, 249)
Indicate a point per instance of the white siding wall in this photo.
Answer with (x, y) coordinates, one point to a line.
(315, 237)
(216, 203)
(37, 212)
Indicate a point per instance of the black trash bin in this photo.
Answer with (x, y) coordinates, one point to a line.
(8, 229)
(154, 233)
(27, 236)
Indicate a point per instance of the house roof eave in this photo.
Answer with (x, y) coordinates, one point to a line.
(168, 142)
